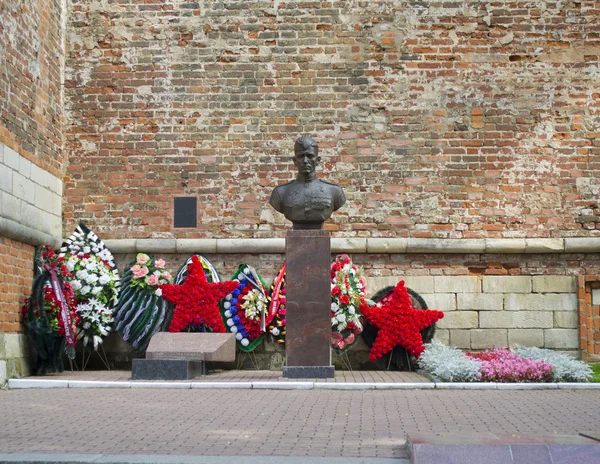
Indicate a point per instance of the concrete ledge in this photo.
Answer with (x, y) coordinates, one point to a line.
(348, 245)
(341, 245)
(430, 245)
(251, 245)
(164, 245)
(200, 245)
(582, 245)
(386, 245)
(28, 235)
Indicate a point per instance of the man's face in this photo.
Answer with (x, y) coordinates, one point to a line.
(306, 160)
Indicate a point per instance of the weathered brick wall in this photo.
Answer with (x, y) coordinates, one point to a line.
(31, 68)
(31, 157)
(449, 119)
(16, 269)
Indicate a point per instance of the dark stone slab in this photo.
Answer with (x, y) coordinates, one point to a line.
(531, 454)
(166, 369)
(190, 346)
(308, 372)
(490, 438)
(460, 454)
(308, 302)
(571, 454)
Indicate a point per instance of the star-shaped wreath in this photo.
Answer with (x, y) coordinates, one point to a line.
(399, 323)
(196, 300)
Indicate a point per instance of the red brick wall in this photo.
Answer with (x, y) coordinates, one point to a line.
(589, 318)
(31, 54)
(16, 269)
(445, 119)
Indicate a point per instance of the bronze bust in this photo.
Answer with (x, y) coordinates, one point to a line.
(307, 201)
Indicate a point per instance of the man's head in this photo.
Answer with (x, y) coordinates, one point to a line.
(306, 156)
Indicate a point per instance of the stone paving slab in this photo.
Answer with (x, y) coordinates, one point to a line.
(505, 454)
(221, 376)
(253, 422)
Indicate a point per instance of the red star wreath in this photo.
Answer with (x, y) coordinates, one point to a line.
(196, 300)
(399, 323)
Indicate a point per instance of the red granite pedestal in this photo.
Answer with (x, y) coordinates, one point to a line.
(308, 305)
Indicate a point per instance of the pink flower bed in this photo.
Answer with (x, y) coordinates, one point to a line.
(502, 365)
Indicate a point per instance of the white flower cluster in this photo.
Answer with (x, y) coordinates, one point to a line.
(95, 283)
(91, 277)
(255, 303)
(96, 320)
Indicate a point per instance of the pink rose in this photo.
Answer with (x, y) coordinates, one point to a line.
(167, 275)
(135, 268)
(142, 258)
(160, 263)
(339, 345)
(141, 272)
(152, 280)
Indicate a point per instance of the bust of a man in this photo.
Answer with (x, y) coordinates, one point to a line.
(307, 201)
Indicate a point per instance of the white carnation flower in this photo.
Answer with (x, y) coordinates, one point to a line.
(82, 274)
(91, 266)
(91, 279)
(351, 309)
(158, 292)
(104, 279)
(341, 317)
(96, 290)
(86, 289)
(75, 285)
(334, 307)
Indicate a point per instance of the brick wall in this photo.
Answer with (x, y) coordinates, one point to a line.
(446, 119)
(31, 157)
(16, 269)
(31, 68)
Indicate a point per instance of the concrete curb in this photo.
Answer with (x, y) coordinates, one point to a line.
(18, 384)
(78, 458)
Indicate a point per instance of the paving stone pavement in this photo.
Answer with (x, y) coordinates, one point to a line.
(323, 423)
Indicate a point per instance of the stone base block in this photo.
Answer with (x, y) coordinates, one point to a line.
(214, 347)
(167, 369)
(308, 372)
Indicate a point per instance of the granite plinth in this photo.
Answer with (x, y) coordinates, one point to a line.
(166, 369)
(190, 346)
(309, 372)
(308, 299)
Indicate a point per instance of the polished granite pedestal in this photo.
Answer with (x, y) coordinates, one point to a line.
(308, 305)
